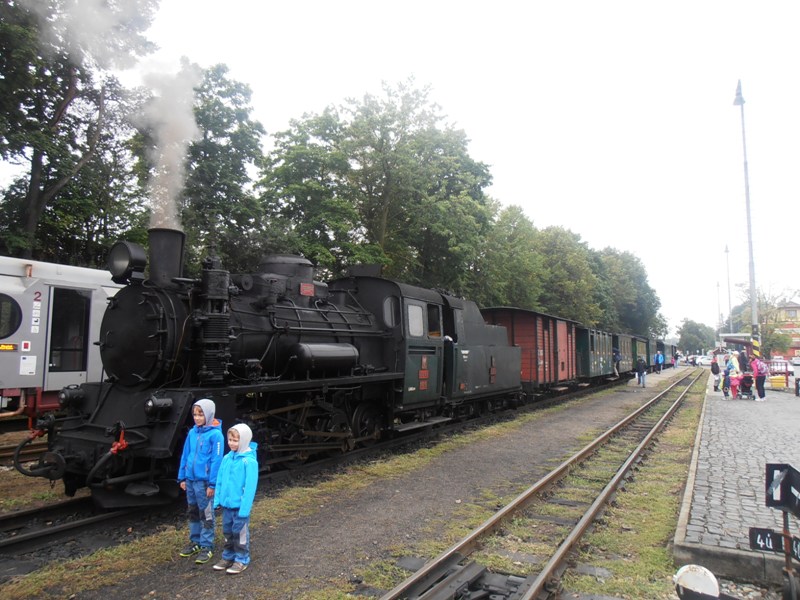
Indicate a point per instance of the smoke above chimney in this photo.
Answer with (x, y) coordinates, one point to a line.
(169, 116)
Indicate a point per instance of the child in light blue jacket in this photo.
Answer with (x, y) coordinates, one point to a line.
(236, 489)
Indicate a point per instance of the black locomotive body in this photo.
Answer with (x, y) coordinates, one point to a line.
(310, 367)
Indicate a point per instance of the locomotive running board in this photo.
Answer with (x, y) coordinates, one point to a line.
(403, 427)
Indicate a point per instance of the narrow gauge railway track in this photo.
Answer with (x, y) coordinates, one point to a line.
(24, 530)
(605, 463)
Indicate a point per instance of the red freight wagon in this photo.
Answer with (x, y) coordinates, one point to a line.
(547, 342)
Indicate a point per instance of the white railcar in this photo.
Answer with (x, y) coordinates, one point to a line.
(50, 319)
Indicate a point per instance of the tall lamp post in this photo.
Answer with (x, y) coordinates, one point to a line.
(730, 309)
(739, 101)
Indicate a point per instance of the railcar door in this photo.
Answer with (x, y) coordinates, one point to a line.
(67, 329)
(424, 348)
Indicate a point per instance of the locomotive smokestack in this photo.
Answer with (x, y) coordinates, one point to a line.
(166, 255)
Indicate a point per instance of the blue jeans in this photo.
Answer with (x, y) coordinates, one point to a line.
(236, 530)
(201, 514)
(642, 377)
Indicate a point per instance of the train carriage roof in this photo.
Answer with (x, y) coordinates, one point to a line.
(528, 311)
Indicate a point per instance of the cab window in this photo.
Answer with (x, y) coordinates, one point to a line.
(391, 311)
(416, 324)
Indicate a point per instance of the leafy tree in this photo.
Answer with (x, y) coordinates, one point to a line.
(506, 272)
(630, 304)
(568, 282)
(418, 193)
(100, 204)
(383, 179)
(219, 205)
(307, 199)
(53, 96)
(695, 337)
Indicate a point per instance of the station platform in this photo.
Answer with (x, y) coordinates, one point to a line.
(726, 488)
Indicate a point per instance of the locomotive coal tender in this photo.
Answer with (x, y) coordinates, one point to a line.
(312, 368)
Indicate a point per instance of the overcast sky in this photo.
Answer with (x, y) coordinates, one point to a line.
(612, 119)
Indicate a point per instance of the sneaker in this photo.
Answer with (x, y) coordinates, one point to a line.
(204, 556)
(223, 565)
(236, 568)
(191, 550)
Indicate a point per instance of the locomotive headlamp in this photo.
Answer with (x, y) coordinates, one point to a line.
(125, 259)
(156, 406)
(71, 395)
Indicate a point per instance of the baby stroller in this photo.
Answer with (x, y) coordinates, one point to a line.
(746, 387)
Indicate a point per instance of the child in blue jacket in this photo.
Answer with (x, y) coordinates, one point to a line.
(236, 490)
(200, 462)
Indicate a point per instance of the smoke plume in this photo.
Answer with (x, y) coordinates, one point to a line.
(170, 118)
(105, 33)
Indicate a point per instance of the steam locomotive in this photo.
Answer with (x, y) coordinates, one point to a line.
(311, 367)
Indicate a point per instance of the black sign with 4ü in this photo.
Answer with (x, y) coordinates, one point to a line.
(782, 487)
(768, 540)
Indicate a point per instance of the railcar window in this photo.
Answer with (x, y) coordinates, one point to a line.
(416, 324)
(391, 311)
(70, 330)
(10, 316)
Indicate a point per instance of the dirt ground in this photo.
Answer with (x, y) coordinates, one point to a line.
(344, 536)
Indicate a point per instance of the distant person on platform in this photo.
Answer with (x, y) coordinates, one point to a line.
(659, 361)
(715, 372)
(641, 370)
(617, 357)
(761, 372)
(744, 363)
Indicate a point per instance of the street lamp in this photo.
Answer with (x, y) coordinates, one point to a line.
(739, 101)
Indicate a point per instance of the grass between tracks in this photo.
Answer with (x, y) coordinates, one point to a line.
(109, 566)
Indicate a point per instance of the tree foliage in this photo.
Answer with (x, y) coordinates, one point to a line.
(567, 278)
(695, 338)
(306, 198)
(507, 268)
(628, 303)
(382, 178)
(219, 205)
(53, 98)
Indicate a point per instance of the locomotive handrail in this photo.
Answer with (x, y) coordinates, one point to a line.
(301, 328)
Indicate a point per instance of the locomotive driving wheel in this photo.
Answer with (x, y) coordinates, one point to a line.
(366, 423)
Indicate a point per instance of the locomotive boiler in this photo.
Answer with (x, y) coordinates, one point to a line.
(311, 367)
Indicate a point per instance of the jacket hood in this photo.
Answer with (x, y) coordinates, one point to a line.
(208, 407)
(245, 437)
